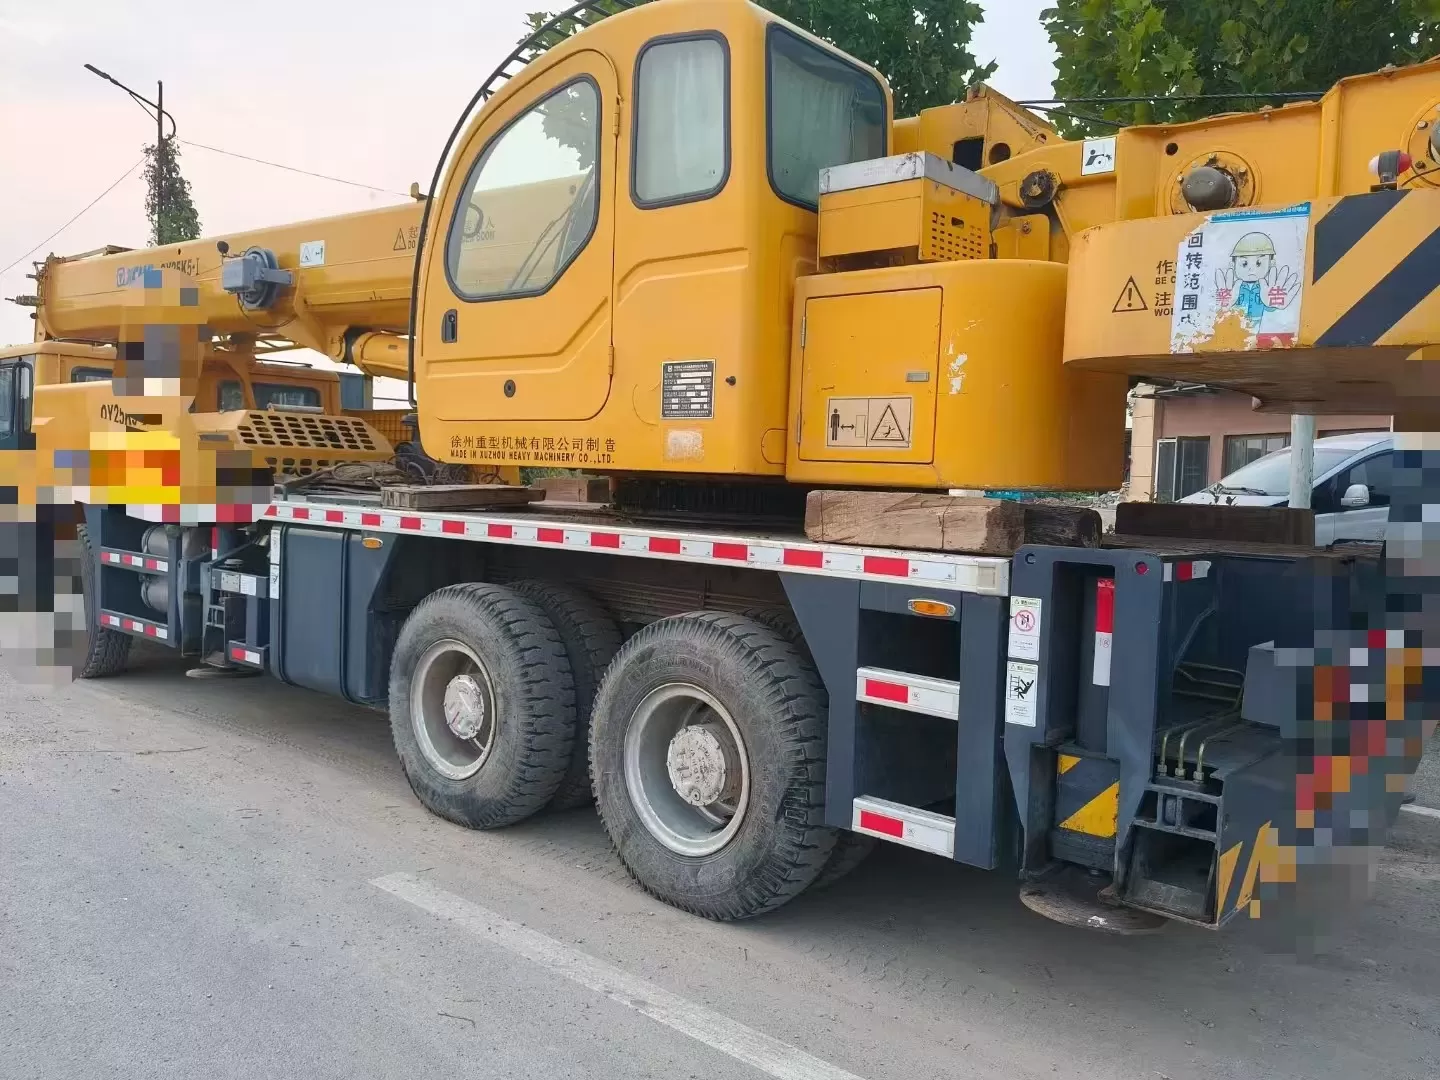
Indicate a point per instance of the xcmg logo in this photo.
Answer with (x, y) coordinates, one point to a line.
(125, 276)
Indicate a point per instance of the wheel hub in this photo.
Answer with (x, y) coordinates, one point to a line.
(698, 764)
(464, 707)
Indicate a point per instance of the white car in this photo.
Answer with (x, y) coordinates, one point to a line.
(1351, 498)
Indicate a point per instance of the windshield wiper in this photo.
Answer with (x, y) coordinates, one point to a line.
(1221, 489)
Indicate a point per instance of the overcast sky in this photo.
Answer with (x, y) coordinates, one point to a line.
(357, 89)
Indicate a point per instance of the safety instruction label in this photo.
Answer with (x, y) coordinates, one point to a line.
(1243, 269)
(1025, 613)
(312, 253)
(1098, 156)
(687, 390)
(882, 423)
(1020, 682)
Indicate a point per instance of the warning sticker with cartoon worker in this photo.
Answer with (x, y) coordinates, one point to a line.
(1242, 268)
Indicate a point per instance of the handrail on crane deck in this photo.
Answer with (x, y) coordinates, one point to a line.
(552, 33)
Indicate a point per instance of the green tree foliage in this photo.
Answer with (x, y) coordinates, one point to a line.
(167, 202)
(1171, 48)
(921, 46)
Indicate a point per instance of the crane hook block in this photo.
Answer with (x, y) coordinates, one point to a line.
(256, 278)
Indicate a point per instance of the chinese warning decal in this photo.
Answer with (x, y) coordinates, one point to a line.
(1241, 269)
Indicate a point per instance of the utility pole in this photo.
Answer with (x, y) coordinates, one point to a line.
(161, 144)
(159, 148)
(1302, 460)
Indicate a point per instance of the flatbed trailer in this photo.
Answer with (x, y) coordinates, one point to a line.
(1111, 715)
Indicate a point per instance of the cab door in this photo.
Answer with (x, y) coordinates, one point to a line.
(517, 312)
(17, 385)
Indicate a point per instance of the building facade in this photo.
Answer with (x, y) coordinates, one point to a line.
(1184, 439)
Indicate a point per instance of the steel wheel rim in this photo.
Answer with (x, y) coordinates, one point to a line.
(683, 828)
(439, 672)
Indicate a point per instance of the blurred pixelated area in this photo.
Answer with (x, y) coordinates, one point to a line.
(135, 447)
(43, 627)
(1366, 716)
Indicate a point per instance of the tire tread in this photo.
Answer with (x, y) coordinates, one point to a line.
(796, 705)
(546, 725)
(107, 652)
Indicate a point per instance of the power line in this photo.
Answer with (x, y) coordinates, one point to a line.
(77, 217)
(1287, 95)
(291, 168)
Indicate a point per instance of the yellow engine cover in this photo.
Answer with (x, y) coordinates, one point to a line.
(947, 375)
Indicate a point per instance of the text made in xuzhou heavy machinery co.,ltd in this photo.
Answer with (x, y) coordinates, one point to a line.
(533, 449)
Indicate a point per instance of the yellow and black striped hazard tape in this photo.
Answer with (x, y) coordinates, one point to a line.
(1376, 261)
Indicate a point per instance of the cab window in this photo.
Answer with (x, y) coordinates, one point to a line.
(232, 396)
(530, 202)
(9, 393)
(90, 374)
(682, 120)
(823, 111)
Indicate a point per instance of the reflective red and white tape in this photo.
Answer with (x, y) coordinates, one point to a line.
(245, 656)
(1186, 571)
(908, 825)
(141, 562)
(133, 626)
(913, 693)
(968, 573)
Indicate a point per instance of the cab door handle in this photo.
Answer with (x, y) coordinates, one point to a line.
(449, 327)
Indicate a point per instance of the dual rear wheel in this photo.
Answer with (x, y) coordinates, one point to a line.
(704, 736)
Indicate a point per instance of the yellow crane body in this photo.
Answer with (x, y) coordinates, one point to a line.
(693, 240)
(693, 334)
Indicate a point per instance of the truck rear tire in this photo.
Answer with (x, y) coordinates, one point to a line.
(482, 705)
(851, 848)
(591, 639)
(708, 759)
(107, 652)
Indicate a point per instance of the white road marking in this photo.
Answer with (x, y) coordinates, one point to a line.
(754, 1048)
(1421, 811)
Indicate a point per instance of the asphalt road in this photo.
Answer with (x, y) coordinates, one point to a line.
(233, 880)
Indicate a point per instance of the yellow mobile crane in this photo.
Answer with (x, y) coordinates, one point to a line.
(743, 268)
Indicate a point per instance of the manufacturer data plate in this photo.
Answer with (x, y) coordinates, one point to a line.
(687, 390)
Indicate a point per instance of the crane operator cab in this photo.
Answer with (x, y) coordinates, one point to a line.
(683, 241)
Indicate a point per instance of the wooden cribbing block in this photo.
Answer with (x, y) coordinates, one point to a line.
(1235, 524)
(581, 489)
(933, 522)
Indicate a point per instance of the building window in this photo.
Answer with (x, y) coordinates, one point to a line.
(1240, 450)
(530, 203)
(1182, 467)
(823, 111)
(681, 121)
